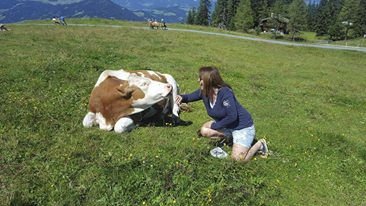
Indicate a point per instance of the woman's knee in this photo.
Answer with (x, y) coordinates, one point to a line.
(239, 153)
(207, 124)
(205, 131)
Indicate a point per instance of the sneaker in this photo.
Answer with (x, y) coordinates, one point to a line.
(229, 139)
(220, 143)
(264, 150)
(218, 153)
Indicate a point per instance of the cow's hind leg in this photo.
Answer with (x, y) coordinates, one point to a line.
(174, 106)
(125, 124)
(89, 120)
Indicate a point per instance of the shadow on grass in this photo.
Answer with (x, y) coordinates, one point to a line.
(169, 121)
(348, 155)
(18, 199)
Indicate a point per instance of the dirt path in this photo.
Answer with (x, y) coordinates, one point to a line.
(322, 46)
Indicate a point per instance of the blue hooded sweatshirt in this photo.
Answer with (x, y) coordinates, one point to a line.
(226, 112)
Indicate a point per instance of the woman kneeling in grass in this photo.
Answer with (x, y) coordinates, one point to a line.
(229, 117)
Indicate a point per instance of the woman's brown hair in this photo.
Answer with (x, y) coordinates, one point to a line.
(211, 79)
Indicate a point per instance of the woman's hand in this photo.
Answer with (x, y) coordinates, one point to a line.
(178, 99)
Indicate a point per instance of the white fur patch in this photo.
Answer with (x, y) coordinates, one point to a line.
(102, 122)
(89, 120)
(124, 124)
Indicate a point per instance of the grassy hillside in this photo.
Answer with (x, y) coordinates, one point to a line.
(310, 104)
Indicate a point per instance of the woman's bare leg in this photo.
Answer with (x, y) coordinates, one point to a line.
(254, 149)
(244, 154)
(239, 152)
(206, 131)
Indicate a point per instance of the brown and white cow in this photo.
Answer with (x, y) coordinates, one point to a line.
(120, 95)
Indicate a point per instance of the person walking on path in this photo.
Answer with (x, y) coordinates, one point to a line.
(63, 21)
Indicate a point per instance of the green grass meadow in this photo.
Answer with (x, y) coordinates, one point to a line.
(309, 103)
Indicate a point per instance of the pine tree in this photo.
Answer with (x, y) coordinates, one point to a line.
(203, 17)
(219, 15)
(327, 13)
(260, 10)
(231, 10)
(191, 16)
(348, 16)
(335, 30)
(243, 19)
(297, 17)
(279, 8)
(360, 21)
(311, 16)
(322, 23)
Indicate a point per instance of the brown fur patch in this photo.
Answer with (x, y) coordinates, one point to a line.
(111, 99)
(146, 73)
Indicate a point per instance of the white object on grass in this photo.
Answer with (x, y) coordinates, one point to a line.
(218, 153)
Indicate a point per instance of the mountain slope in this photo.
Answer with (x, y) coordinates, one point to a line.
(171, 14)
(14, 11)
(169, 10)
(149, 4)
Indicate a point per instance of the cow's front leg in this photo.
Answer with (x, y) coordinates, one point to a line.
(89, 120)
(125, 124)
(103, 125)
(174, 93)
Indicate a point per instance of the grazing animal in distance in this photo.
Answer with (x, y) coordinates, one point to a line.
(154, 24)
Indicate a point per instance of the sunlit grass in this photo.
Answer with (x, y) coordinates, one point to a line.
(308, 103)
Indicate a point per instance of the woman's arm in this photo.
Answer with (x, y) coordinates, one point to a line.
(194, 96)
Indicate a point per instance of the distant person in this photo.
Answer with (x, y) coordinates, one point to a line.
(163, 25)
(3, 28)
(63, 21)
(230, 118)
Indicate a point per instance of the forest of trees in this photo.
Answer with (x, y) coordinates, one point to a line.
(336, 19)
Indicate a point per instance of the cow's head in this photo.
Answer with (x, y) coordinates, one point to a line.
(144, 92)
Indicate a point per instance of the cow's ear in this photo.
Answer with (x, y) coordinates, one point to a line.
(125, 91)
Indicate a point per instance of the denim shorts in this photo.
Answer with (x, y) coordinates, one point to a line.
(243, 137)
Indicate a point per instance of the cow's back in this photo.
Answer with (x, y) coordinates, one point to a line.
(156, 76)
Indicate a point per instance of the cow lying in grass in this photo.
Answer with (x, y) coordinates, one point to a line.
(122, 99)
